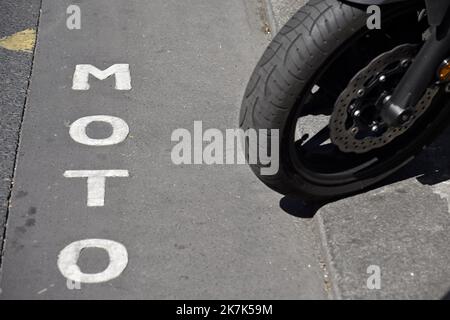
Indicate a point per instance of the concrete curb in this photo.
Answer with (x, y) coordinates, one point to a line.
(271, 18)
(284, 10)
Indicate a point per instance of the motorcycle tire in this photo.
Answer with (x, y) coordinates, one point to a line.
(327, 42)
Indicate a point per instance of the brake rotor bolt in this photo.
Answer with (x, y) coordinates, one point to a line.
(361, 92)
(404, 63)
(354, 130)
(382, 78)
(405, 117)
(357, 113)
(374, 128)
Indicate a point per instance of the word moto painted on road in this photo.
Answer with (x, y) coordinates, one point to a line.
(96, 179)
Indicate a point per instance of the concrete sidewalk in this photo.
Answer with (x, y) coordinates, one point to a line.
(402, 227)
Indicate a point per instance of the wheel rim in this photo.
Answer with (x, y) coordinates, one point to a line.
(322, 162)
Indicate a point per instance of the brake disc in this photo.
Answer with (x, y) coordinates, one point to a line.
(342, 129)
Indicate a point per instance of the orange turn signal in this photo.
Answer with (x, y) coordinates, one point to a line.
(444, 71)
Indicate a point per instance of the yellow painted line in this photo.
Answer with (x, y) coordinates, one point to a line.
(20, 41)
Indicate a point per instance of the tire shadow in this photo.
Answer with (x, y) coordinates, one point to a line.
(431, 167)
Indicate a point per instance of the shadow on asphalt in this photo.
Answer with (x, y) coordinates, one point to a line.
(429, 168)
(299, 208)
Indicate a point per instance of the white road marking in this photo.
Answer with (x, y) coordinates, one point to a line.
(96, 183)
(42, 291)
(119, 133)
(68, 258)
(82, 72)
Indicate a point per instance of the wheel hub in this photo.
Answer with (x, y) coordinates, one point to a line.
(356, 124)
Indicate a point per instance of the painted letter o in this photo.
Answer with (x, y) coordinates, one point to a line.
(119, 133)
(68, 258)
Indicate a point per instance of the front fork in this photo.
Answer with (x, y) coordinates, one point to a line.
(424, 70)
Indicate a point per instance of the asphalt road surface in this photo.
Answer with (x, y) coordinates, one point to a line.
(191, 231)
(154, 229)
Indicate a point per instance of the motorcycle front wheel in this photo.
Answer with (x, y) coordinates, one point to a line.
(320, 83)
